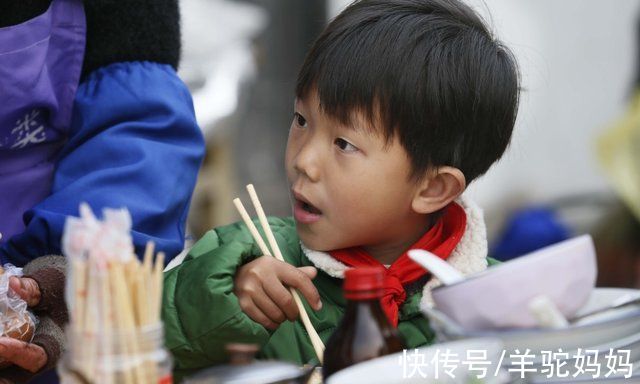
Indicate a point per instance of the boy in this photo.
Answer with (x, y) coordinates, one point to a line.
(400, 105)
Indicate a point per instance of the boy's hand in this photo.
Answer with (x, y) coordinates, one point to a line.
(27, 288)
(262, 290)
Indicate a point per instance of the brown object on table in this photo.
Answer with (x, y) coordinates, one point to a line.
(241, 354)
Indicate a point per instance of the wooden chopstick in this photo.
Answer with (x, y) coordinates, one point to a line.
(157, 275)
(252, 228)
(317, 343)
(264, 222)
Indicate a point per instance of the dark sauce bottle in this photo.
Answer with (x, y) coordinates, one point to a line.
(365, 332)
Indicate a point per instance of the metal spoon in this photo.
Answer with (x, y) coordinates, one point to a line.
(438, 267)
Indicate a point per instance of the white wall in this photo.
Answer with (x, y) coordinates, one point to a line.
(577, 59)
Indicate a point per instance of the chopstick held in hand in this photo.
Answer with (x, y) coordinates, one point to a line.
(318, 346)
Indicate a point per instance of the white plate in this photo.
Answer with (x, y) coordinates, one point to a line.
(398, 369)
(593, 332)
(611, 379)
(600, 355)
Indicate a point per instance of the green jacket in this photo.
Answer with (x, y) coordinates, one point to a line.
(202, 314)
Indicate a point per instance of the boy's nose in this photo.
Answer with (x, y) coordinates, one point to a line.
(306, 163)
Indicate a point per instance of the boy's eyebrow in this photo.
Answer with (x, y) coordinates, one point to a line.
(362, 122)
(300, 106)
(358, 126)
(358, 122)
(351, 123)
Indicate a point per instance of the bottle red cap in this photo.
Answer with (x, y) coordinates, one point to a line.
(363, 283)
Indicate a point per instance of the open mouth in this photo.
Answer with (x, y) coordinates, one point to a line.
(309, 208)
(305, 212)
(303, 204)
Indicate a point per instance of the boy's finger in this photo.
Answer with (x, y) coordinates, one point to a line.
(296, 279)
(311, 272)
(250, 309)
(282, 297)
(267, 306)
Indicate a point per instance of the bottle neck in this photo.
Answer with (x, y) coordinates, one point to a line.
(364, 307)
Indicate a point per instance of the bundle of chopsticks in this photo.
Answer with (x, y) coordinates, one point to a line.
(113, 298)
(318, 346)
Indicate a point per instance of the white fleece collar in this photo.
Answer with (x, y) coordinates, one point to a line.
(469, 256)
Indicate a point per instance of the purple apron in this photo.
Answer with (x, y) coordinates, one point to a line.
(40, 66)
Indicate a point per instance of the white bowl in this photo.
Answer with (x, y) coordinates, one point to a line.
(499, 297)
(613, 329)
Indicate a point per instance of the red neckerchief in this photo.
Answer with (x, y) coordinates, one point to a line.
(440, 240)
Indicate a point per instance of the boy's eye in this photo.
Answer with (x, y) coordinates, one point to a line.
(299, 120)
(344, 145)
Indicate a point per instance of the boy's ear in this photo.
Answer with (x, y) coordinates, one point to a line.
(438, 189)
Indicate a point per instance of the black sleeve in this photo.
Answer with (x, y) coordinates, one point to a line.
(16, 12)
(131, 30)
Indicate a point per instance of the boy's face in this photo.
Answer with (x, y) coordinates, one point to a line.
(349, 187)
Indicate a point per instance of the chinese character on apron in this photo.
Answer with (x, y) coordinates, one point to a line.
(40, 66)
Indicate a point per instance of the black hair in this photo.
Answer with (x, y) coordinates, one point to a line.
(429, 70)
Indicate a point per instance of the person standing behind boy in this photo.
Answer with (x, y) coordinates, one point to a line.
(399, 105)
(92, 111)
